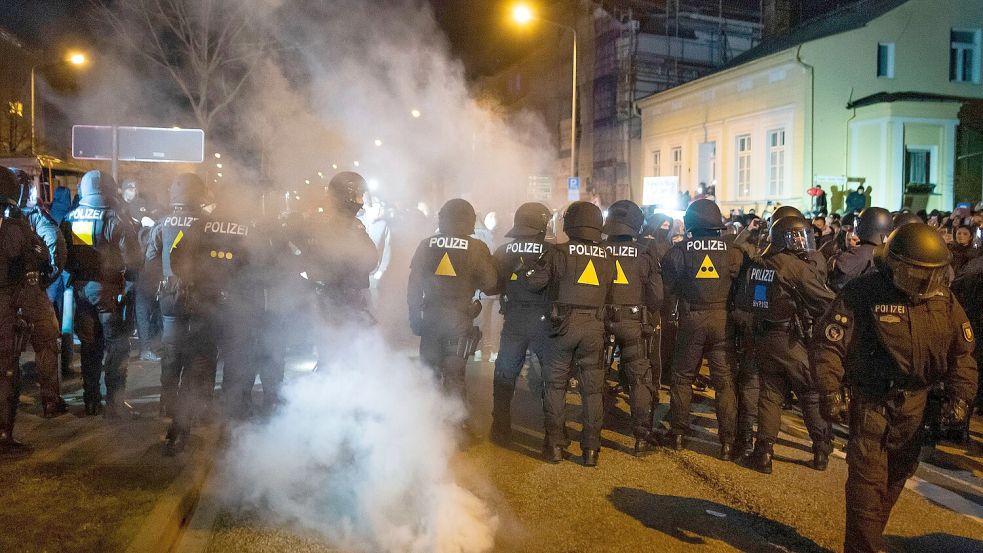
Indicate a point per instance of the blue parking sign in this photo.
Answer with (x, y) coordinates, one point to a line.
(573, 189)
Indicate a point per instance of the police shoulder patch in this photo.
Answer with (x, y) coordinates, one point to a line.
(968, 332)
(834, 332)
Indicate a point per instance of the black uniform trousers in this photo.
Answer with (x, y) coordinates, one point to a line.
(526, 328)
(39, 312)
(104, 335)
(442, 345)
(173, 358)
(704, 333)
(881, 455)
(783, 362)
(9, 371)
(578, 347)
(748, 391)
(626, 327)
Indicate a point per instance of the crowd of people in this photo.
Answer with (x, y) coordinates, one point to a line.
(859, 315)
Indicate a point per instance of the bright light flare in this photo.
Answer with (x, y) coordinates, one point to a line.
(77, 58)
(373, 184)
(378, 142)
(218, 155)
(219, 165)
(522, 14)
(415, 113)
(356, 164)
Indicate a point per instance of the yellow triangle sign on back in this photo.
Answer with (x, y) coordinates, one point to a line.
(514, 277)
(620, 278)
(177, 239)
(444, 268)
(589, 276)
(707, 270)
(82, 233)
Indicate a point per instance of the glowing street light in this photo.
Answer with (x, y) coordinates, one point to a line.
(220, 175)
(219, 165)
(218, 155)
(334, 165)
(522, 14)
(77, 58)
(378, 142)
(356, 164)
(415, 113)
(320, 174)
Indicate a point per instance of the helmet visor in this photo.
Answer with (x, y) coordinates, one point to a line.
(919, 283)
(800, 241)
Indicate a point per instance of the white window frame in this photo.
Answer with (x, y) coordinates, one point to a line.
(657, 163)
(677, 161)
(776, 169)
(742, 147)
(956, 50)
(889, 62)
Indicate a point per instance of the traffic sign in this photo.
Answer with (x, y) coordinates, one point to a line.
(573, 189)
(150, 144)
(92, 142)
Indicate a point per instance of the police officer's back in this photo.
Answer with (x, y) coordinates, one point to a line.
(872, 227)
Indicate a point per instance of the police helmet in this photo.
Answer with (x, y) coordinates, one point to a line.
(10, 189)
(917, 259)
(784, 211)
(188, 190)
(456, 217)
(625, 218)
(791, 233)
(906, 218)
(848, 220)
(703, 214)
(531, 219)
(583, 220)
(347, 191)
(874, 224)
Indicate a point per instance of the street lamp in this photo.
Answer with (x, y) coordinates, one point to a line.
(77, 59)
(523, 14)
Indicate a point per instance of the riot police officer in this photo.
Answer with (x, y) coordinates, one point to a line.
(905, 217)
(20, 252)
(700, 271)
(447, 270)
(633, 313)
(526, 325)
(785, 293)
(655, 239)
(187, 195)
(579, 275)
(33, 300)
(103, 250)
(872, 227)
(889, 337)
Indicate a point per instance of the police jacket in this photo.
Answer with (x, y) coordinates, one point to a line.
(447, 270)
(167, 235)
(509, 258)
(637, 275)
(849, 264)
(20, 252)
(700, 271)
(47, 229)
(578, 273)
(338, 253)
(874, 339)
(782, 286)
(101, 244)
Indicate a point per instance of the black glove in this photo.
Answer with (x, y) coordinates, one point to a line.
(416, 323)
(834, 406)
(954, 412)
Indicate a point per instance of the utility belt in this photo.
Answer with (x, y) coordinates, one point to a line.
(564, 310)
(761, 325)
(685, 307)
(508, 305)
(889, 402)
(621, 313)
(470, 307)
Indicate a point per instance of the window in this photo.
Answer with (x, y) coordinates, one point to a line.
(776, 163)
(964, 56)
(885, 60)
(677, 161)
(744, 165)
(657, 163)
(918, 165)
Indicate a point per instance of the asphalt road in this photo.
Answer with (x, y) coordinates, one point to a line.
(666, 501)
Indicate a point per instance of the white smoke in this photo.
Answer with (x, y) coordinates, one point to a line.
(359, 452)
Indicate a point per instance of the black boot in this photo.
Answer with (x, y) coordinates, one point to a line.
(645, 444)
(760, 458)
(553, 454)
(590, 457)
(9, 447)
(175, 441)
(744, 445)
(727, 452)
(52, 409)
(672, 440)
(820, 455)
(93, 408)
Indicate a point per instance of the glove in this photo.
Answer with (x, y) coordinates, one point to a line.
(833, 406)
(416, 323)
(954, 412)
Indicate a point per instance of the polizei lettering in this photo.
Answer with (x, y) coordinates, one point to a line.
(707, 245)
(226, 227)
(449, 242)
(82, 213)
(893, 309)
(524, 247)
(588, 250)
(762, 275)
(623, 251)
(174, 221)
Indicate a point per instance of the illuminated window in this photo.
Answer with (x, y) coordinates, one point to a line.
(885, 60)
(776, 163)
(964, 56)
(744, 166)
(657, 163)
(677, 161)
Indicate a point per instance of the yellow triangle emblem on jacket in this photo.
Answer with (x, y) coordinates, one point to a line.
(177, 239)
(444, 268)
(82, 233)
(707, 270)
(514, 277)
(620, 278)
(589, 276)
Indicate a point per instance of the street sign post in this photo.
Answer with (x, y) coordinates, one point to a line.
(143, 144)
(573, 189)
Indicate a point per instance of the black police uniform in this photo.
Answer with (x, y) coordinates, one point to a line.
(849, 264)
(889, 352)
(103, 246)
(446, 271)
(526, 326)
(786, 293)
(339, 256)
(578, 275)
(655, 239)
(186, 198)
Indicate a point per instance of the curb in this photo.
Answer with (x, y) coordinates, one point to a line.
(162, 528)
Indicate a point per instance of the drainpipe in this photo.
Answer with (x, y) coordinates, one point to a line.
(812, 112)
(846, 156)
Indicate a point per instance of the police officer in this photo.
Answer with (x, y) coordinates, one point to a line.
(905, 217)
(889, 337)
(33, 300)
(785, 294)
(635, 300)
(103, 250)
(578, 275)
(872, 227)
(526, 326)
(700, 271)
(187, 195)
(656, 240)
(447, 270)
(20, 252)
